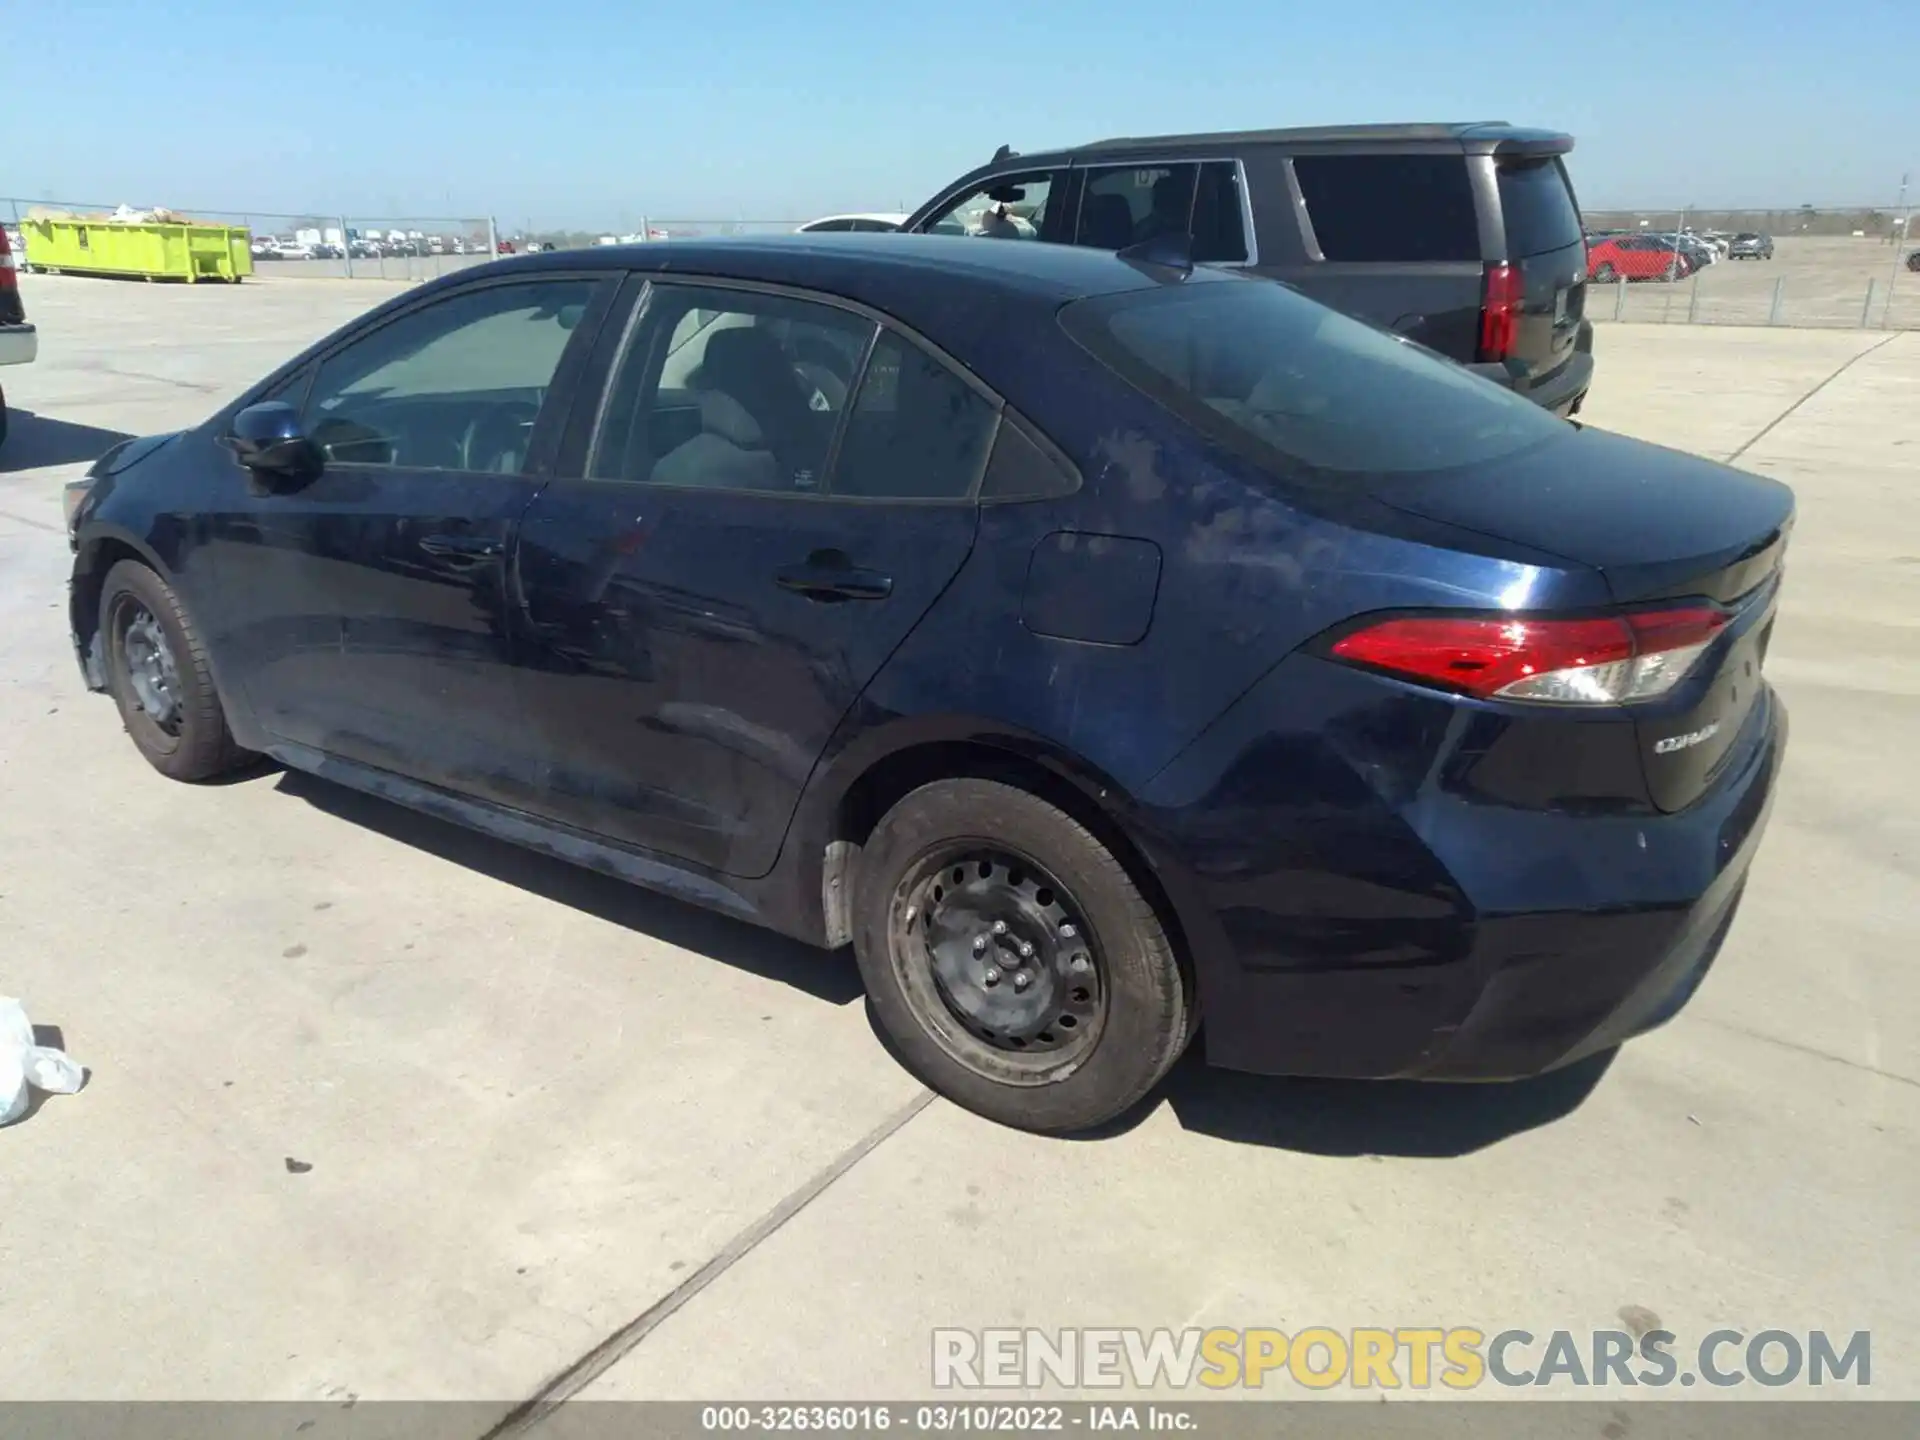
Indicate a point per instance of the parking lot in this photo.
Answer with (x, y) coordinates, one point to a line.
(382, 1109)
(1818, 280)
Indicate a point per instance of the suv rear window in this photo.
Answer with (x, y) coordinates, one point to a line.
(1308, 392)
(1391, 208)
(1538, 208)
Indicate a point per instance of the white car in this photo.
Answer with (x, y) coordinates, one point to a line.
(869, 221)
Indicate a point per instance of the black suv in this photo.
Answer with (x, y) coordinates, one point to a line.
(1465, 238)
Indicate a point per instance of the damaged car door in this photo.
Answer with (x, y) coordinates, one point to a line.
(776, 490)
(366, 608)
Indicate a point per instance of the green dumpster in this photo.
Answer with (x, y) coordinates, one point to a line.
(152, 250)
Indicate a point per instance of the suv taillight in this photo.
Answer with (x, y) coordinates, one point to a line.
(1611, 660)
(1500, 304)
(9, 280)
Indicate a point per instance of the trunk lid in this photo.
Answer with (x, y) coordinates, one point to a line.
(1658, 526)
(1657, 523)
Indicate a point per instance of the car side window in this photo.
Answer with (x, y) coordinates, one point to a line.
(455, 385)
(1023, 467)
(729, 389)
(1122, 205)
(1007, 207)
(1219, 215)
(1406, 209)
(917, 430)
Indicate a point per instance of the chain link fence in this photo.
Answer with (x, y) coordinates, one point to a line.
(1831, 267)
(1836, 267)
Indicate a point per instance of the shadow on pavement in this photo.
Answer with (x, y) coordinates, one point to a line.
(823, 975)
(36, 440)
(1369, 1117)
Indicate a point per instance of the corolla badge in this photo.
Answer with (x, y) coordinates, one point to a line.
(1686, 741)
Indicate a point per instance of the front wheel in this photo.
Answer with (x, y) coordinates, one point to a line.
(1606, 274)
(158, 675)
(1012, 961)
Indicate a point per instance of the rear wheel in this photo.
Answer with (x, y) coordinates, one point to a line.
(1012, 961)
(157, 673)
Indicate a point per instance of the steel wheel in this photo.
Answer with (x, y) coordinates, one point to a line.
(157, 672)
(995, 960)
(146, 659)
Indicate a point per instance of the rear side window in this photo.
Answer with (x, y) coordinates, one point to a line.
(1123, 205)
(1537, 207)
(1219, 226)
(1021, 468)
(917, 430)
(1407, 209)
(1310, 393)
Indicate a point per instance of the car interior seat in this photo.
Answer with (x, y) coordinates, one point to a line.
(757, 430)
(1106, 222)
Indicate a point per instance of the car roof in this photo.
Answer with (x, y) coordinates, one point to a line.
(990, 303)
(1473, 135)
(911, 276)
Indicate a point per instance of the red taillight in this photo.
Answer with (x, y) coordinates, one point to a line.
(1568, 662)
(1506, 288)
(8, 279)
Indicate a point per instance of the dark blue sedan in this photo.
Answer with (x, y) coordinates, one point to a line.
(1105, 648)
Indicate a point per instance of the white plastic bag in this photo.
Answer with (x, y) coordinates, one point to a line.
(23, 1063)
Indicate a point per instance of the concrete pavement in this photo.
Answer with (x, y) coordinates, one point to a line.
(542, 1110)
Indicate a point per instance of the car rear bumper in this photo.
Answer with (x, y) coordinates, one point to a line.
(1560, 391)
(18, 344)
(1491, 942)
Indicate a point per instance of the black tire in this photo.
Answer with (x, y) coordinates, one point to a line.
(1605, 274)
(191, 740)
(3, 417)
(1145, 1015)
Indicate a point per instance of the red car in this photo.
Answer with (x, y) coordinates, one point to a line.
(1636, 257)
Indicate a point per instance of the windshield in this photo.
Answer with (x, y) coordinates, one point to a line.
(1260, 367)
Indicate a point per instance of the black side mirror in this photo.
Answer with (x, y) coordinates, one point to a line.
(267, 439)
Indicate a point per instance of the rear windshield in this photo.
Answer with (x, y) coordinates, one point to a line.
(1409, 209)
(1538, 208)
(1299, 388)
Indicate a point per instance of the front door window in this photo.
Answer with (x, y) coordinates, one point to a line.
(455, 385)
(1008, 207)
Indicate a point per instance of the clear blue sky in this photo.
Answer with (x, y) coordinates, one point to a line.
(593, 113)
